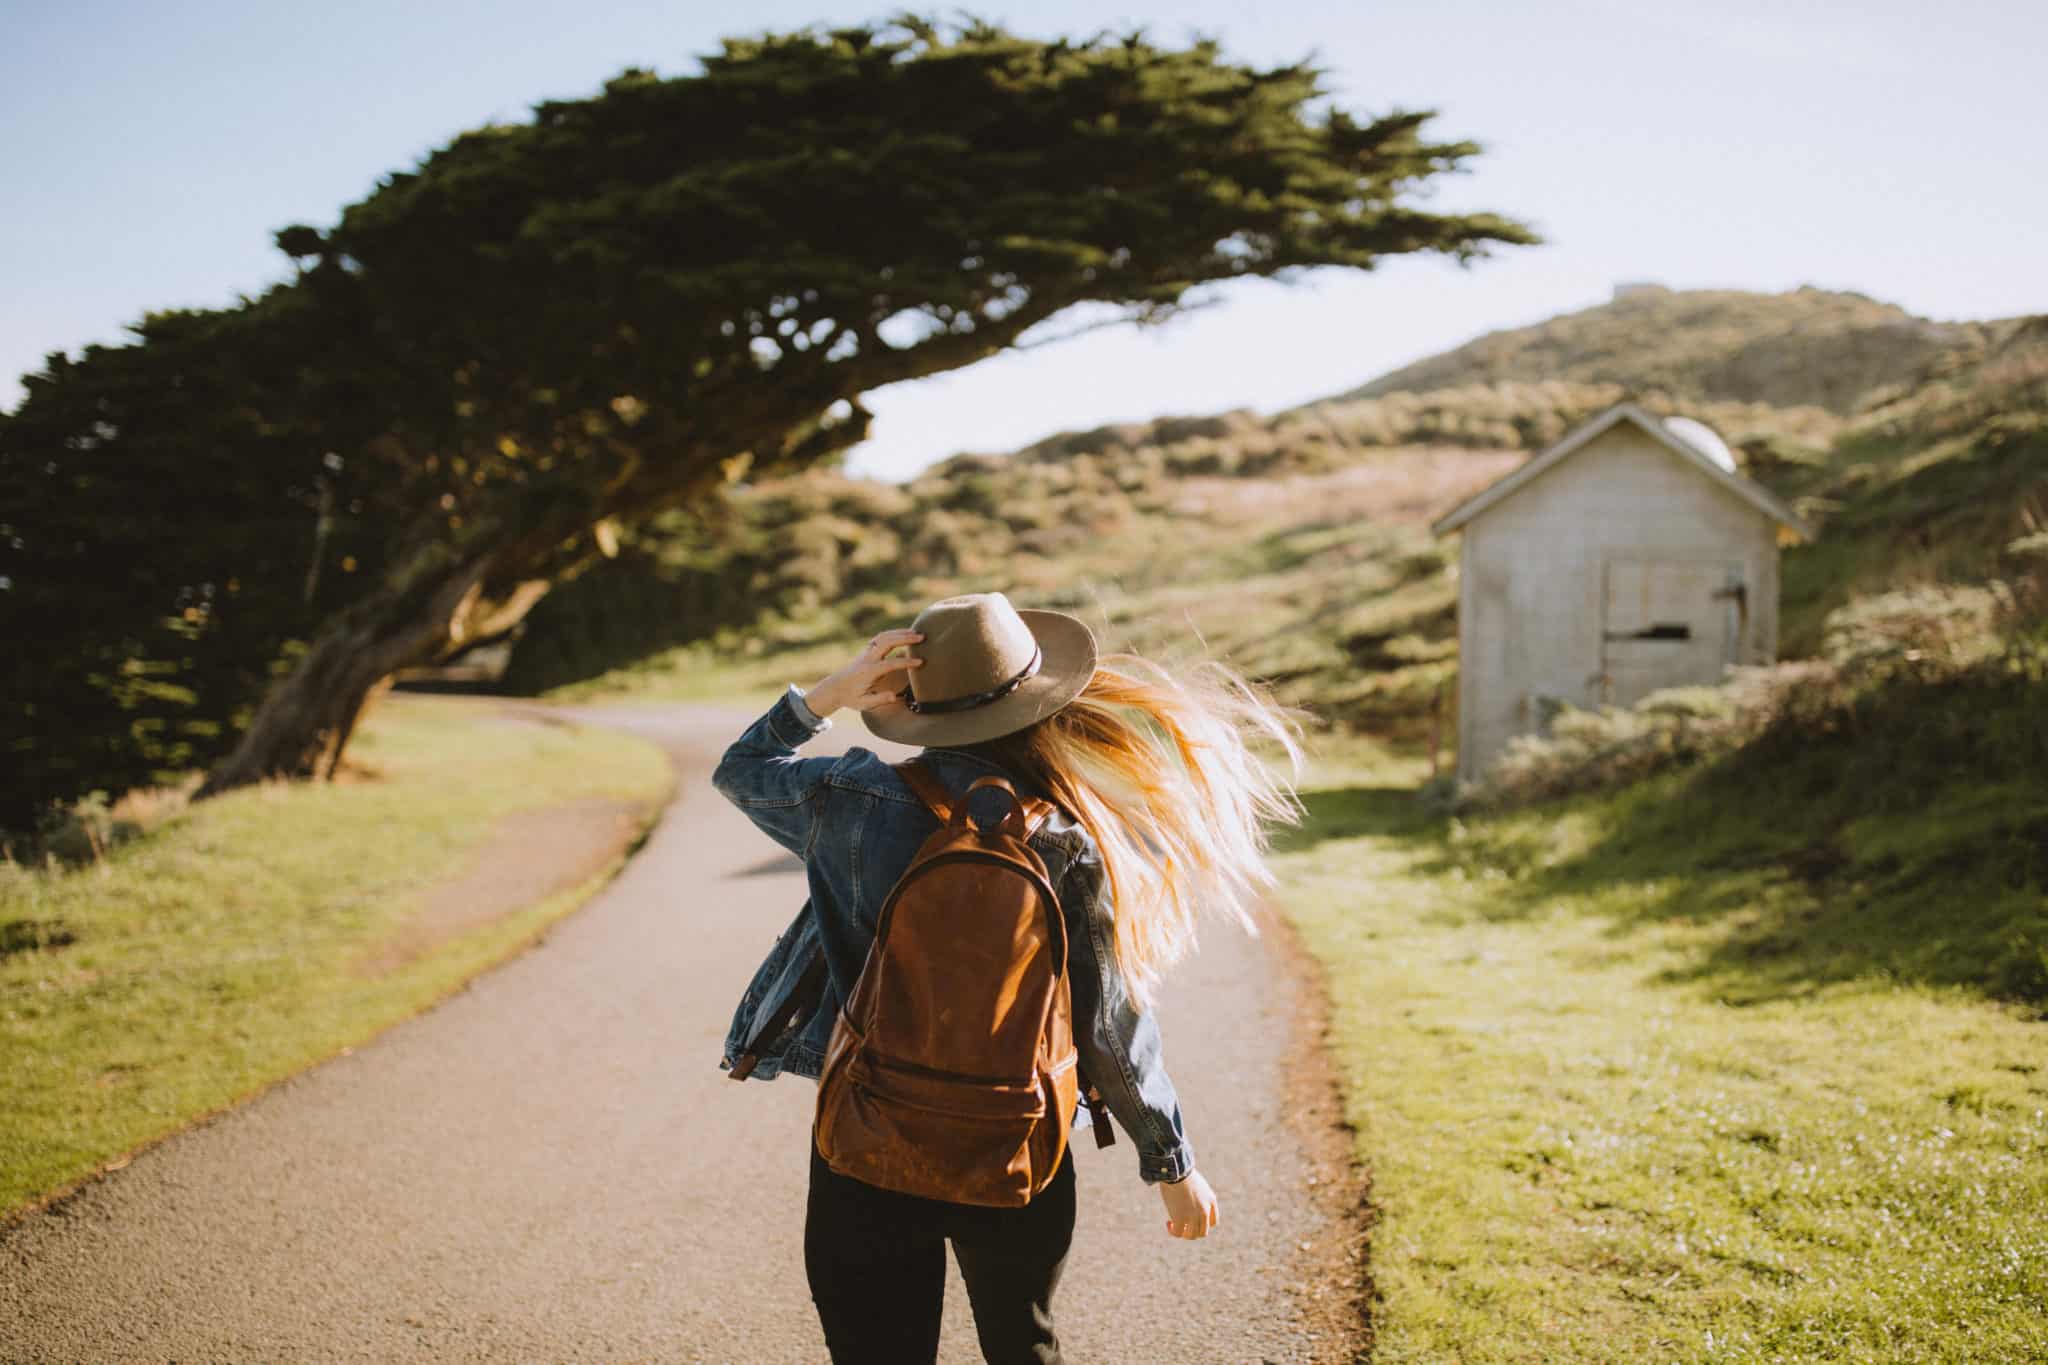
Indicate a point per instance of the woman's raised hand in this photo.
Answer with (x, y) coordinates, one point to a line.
(872, 680)
(1190, 1207)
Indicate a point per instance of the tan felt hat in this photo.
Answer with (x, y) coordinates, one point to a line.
(989, 669)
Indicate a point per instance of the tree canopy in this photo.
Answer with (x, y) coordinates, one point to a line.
(220, 536)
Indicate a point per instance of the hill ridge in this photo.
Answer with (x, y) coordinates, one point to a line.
(1830, 349)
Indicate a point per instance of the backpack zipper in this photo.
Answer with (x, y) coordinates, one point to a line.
(876, 1059)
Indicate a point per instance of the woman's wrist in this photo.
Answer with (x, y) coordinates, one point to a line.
(820, 699)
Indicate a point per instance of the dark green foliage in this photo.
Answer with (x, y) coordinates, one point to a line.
(171, 525)
(552, 328)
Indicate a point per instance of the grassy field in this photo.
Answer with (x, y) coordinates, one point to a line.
(225, 949)
(1629, 1093)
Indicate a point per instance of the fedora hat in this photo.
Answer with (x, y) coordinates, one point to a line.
(989, 669)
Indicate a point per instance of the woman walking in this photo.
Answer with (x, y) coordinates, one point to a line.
(1150, 806)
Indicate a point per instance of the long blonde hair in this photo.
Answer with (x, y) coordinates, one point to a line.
(1158, 766)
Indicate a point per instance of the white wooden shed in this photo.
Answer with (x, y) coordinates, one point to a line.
(1628, 557)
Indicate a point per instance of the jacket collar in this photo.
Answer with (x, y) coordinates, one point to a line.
(1062, 829)
(945, 755)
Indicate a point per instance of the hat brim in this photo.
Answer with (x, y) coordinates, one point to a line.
(1068, 647)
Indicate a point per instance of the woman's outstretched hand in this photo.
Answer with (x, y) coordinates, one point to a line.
(871, 680)
(1190, 1207)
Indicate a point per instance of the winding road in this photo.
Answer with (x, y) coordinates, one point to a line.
(549, 1165)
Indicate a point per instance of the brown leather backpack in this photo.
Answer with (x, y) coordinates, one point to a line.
(951, 1072)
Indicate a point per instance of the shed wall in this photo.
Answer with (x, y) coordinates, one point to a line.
(1532, 596)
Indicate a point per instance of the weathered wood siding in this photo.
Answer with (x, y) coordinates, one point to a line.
(1533, 595)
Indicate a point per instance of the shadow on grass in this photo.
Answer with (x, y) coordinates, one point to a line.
(1389, 812)
(1951, 894)
(1905, 841)
(1908, 843)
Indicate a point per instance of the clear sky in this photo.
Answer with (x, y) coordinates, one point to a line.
(1888, 146)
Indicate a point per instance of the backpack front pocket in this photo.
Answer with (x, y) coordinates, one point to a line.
(908, 1129)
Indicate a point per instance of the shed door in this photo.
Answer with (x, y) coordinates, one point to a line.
(1668, 623)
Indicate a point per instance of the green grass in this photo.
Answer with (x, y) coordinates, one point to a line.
(1653, 1076)
(223, 950)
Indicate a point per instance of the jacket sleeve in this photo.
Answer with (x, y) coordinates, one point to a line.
(1119, 1043)
(762, 775)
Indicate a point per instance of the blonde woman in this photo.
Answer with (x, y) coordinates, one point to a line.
(1161, 810)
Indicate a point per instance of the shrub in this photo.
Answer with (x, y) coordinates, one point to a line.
(1952, 624)
(1929, 636)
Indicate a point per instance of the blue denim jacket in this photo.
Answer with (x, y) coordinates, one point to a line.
(856, 825)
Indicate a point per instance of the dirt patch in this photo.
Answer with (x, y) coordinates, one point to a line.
(532, 855)
(1332, 1275)
(1411, 486)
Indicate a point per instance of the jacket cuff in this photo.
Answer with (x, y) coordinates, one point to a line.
(793, 720)
(1168, 1167)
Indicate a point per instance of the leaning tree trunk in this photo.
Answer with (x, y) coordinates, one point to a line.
(304, 721)
(437, 598)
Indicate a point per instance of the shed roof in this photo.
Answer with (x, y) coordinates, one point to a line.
(1502, 489)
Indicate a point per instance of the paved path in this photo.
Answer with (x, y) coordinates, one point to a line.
(550, 1166)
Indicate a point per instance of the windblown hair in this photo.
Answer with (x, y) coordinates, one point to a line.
(1159, 767)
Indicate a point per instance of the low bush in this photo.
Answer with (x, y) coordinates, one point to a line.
(1927, 639)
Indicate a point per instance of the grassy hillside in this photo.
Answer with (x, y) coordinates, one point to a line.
(1807, 347)
(1930, 482)
(1297, 544)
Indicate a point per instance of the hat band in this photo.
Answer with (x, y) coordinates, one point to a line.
(997, 693)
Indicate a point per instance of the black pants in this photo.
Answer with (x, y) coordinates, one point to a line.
(877, 1265)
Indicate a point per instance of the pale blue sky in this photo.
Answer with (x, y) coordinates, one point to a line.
(1884, 146)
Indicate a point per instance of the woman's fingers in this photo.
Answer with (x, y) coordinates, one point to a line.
(891, 675)
(882, 684)
(890, 639)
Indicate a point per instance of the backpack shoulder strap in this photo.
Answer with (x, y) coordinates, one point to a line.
(1035, 812)
(928, 788)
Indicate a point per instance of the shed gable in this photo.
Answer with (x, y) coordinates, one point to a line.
(1625, 416)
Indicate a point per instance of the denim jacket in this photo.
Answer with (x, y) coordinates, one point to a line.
(856, 825)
